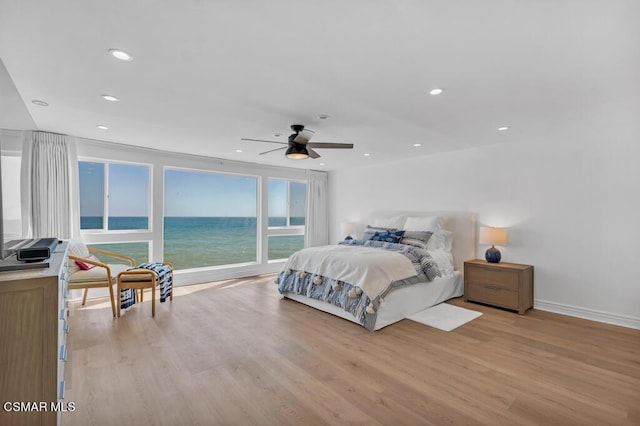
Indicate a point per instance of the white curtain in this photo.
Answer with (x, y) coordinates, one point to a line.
(317, 222)
(47, 169)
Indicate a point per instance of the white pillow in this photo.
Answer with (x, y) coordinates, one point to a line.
(396, 222)
(441, 240)
(444, 260)
(79, 249)
(431, 224)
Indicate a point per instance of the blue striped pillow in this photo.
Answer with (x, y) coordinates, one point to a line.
(388, 237)
(370, 231)
(416, 238)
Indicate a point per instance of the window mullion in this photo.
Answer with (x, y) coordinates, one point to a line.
(288, 203)
(105, 213)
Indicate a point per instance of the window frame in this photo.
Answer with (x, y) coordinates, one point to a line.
(106, 194)
(259, 243)
(287, 230)
(102, 151)
(13, 153)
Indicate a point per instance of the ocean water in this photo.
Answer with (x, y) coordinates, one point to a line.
(194, 242)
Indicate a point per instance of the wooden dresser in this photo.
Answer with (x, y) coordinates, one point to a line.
(33, 335)
(507, 285)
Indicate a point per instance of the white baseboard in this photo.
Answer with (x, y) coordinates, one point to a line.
(590, 314)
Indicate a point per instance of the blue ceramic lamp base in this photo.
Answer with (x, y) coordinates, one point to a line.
(492, 255)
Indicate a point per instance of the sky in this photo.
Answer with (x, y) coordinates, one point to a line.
(187, 193)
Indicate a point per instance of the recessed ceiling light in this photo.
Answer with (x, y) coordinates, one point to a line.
(503, 128)
(417, 144)
(238, 150)
(110, 98)
(366, 154)
(322, 164)
(436, 91)
(102, 127)
(39, 103)
(120, 54)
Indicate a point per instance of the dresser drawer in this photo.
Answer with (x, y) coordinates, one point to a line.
(493, 295)
(500, 278)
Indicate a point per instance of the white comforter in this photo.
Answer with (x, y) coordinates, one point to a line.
(371, 269)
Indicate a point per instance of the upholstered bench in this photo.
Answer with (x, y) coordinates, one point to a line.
(147, 275)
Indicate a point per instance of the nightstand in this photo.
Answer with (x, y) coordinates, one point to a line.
(507, 285)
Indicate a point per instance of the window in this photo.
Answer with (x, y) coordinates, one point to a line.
(287, 203)
(11, 205)
(210, 219)
(139, 251)
(283, 246)
(115, 191)
(287, 217)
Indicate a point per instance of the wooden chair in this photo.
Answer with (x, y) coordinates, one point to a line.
(101, 275)
(140, 279)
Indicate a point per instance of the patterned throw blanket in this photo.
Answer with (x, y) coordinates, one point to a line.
(165, 278)
(350, 297)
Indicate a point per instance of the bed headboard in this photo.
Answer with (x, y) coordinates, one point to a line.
(463, 226)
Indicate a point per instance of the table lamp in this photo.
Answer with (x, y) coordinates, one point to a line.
(348, 228)
(493, 236)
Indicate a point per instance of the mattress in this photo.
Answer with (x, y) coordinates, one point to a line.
(399, 303)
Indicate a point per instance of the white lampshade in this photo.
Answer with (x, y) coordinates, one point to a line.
(348, 228)
(493, 236)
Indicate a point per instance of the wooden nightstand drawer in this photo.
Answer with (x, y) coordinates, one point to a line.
(505, 279)
(507, 285)
(493, 295)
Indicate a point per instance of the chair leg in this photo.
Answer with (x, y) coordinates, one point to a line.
(173, 286)
(113, 303)
(84, 296)
(141, 294)
(118, 308)
(153, 300)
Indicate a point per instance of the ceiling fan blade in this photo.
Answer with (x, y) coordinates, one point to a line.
(330, 145)
(277, 149)
(262, 140)
(312, 153)
(303, 136)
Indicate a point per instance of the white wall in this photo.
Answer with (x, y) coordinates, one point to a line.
(572, 206)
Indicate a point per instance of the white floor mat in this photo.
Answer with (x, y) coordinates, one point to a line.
(444, 316)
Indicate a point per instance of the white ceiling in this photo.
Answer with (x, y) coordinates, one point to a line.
(207, 73)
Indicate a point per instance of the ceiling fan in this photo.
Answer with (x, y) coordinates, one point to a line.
(299, 147)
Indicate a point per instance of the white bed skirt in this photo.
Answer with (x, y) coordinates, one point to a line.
(399, 303)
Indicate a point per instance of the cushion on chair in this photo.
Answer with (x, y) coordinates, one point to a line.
(96, 274)
(79, 249)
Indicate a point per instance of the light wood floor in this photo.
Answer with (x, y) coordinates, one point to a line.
(235, 353)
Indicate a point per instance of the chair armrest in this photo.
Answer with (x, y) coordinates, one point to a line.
(130, 260)
(89, 261)
(92, 262)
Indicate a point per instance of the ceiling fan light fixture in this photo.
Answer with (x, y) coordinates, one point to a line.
(297, 151)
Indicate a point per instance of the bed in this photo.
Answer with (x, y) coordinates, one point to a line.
(311, 276)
